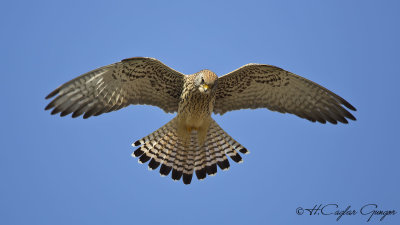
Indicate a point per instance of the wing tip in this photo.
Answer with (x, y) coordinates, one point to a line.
(350, 116)
(53, 93)
(348, 105)
(49, 106)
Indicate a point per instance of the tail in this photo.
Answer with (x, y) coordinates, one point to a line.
(165, 148)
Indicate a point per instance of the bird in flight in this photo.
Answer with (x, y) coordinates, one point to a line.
(193, 142)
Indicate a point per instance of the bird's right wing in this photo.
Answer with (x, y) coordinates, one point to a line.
(132, 81)
(264, 86)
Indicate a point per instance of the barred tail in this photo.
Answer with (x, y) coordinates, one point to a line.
(163, 147)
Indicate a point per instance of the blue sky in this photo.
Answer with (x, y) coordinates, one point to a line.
(73, 171)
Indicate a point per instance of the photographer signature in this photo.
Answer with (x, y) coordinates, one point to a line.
(369, 210)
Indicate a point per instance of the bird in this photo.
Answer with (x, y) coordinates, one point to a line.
(193, 142)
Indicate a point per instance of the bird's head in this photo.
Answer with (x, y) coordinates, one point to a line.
(206, 81)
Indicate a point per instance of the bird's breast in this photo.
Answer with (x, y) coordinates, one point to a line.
(195, 109)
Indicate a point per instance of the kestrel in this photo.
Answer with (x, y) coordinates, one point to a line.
(193, 141)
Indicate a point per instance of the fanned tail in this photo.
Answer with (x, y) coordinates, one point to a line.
(164, 147)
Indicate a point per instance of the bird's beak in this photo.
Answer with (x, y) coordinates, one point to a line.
(205, 87)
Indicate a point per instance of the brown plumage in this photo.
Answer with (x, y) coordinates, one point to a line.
(193, 141)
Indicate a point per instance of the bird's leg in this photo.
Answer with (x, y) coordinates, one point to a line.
(189, 129)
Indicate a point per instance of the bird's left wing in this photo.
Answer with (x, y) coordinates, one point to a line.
(132, 81)
(265, 86)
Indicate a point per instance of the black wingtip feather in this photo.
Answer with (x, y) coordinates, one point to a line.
(91, 112)
(350, 116)
(64, 113)
(348, 105)
(79, 111)
(99, 112)
(343, 120)
(49, 106)
(55, 111)
(52, 94)
(332, 121)
(76, 114)
(137, 143)
(86, 115)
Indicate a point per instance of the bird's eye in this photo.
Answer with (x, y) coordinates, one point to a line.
(202, 81)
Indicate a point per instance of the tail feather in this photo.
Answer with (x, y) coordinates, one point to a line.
(190, 156)
(188, 167)
(176, 174)
(165, 170)
(156, 135)
(157, 153)
(164, 147)
(211, 163)
(169, 151)
(168, 154)
(144, 158)
(153, 164)
(178, 163)
(170, 157)
(200, 164)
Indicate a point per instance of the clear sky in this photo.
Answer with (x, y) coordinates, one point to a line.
(73, 171)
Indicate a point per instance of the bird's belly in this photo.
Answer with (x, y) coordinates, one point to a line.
(195, 120)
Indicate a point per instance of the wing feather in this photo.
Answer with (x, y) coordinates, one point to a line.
(265, 86)
(136, 80)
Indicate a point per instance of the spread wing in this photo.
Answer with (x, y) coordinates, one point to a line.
(109, 88)
(264, 86)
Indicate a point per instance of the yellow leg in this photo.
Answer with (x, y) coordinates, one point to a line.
(189, 129)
